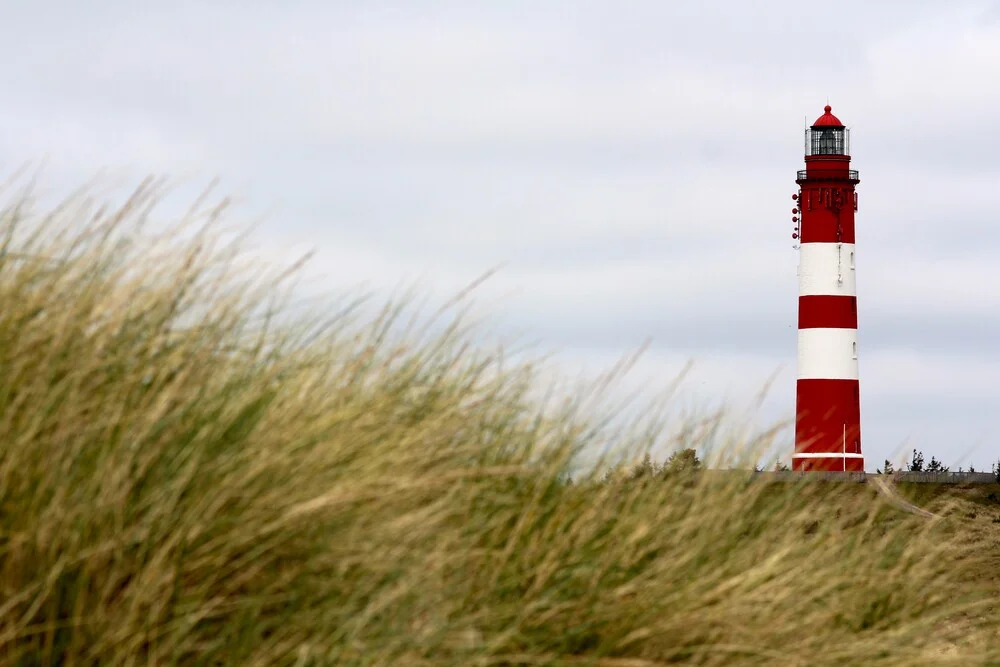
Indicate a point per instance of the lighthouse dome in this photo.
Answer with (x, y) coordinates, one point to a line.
(827, 119)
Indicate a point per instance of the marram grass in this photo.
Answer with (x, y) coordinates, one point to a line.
(189, 477)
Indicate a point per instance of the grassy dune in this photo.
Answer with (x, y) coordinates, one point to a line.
(189, 477)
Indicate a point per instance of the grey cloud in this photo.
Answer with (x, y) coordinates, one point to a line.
(766, 331)
(632, 166)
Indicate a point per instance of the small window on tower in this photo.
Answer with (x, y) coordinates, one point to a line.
(854, 350)
(852, 259)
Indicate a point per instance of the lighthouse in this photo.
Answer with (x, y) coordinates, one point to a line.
(827, 396)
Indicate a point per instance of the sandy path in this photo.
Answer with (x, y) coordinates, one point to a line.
(890, 494)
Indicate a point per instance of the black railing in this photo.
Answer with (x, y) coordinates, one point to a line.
(852, 174)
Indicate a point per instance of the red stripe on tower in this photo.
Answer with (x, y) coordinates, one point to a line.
(827, 400)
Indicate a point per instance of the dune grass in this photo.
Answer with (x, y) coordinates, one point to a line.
(189, 476)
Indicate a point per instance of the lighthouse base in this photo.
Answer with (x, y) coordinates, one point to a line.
(828, 463)
(828, 426)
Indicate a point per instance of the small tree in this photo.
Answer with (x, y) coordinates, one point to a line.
(645, 468)
(888, 468)
(917, 463)
(686, 460)
(779, 466)
(935, 466)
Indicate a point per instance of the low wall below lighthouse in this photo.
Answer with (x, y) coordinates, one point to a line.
(827, 397)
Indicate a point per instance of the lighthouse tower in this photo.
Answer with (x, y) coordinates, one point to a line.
(827, 400)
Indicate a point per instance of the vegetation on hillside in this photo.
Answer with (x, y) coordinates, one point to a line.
(918, 464)
(189, 476)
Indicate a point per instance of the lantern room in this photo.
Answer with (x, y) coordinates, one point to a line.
(828, 136)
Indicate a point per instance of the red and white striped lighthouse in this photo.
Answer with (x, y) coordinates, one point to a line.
(827, 400)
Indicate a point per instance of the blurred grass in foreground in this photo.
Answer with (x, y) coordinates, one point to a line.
(187, 478)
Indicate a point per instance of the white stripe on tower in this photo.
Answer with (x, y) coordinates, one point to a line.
(827, 269)
(828, 354)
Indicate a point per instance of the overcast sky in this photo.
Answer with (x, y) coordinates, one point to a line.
(630, 164)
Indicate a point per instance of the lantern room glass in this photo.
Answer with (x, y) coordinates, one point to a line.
(828, 141)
